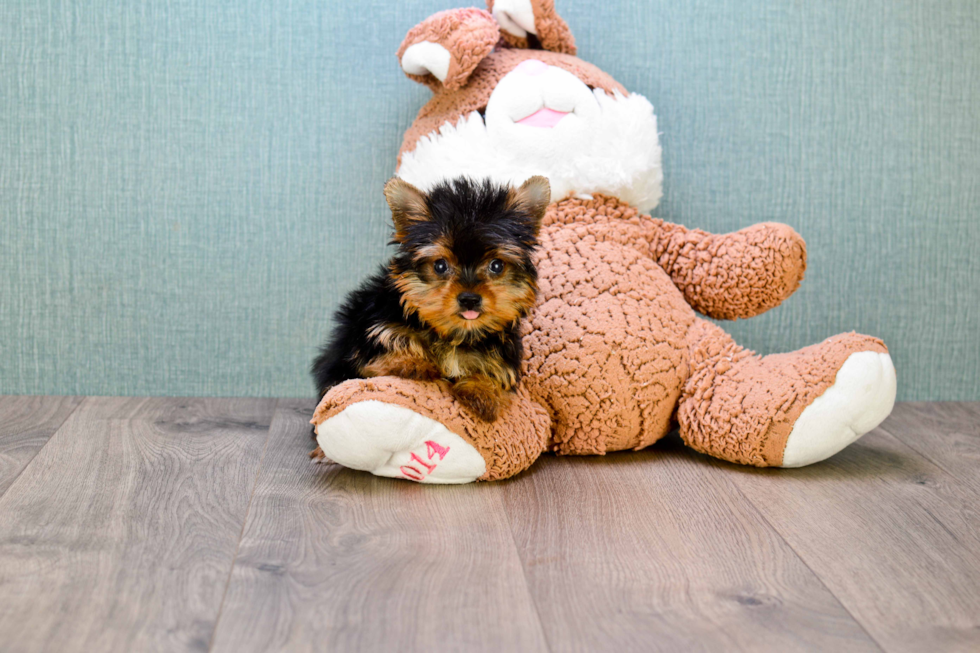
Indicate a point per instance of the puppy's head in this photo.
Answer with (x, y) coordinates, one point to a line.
(464, 261)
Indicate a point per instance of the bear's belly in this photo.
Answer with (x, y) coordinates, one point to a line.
(604, 350)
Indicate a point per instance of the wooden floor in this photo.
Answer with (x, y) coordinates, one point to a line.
(199, 524)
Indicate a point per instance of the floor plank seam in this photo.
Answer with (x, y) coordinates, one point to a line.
(966, 483)
(241, 534)
(527, 582)
(41, 448)
(956, 480)
(803, 561)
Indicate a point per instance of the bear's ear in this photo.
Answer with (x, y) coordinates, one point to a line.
(446, 47)
(532, 24)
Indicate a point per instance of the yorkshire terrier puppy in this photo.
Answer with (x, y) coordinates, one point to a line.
(448, 305)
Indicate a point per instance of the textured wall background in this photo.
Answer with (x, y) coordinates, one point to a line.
(187, 187)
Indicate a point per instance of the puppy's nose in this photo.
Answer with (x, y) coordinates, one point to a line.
(469, 300)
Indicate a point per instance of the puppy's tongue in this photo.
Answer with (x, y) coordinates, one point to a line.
(470, 315)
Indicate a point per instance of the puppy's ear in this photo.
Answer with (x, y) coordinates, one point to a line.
(408, 205)
(532, 24)
(446, 47)
(532, 199)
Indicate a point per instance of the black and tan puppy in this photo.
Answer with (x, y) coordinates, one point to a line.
(448, 305)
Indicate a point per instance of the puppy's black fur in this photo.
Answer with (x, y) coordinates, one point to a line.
(448, 305)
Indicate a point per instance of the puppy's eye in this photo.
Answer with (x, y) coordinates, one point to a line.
(441, 266)
(496, 266)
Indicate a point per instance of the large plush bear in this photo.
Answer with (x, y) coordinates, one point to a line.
(615, 352)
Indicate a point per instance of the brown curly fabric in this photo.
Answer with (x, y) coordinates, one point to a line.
(735, 275)
(606, 346)
(449, 106)
(468, 34)
(508, 445)
(552, 30)
(741, 407)
(614, 353)
(723, 276)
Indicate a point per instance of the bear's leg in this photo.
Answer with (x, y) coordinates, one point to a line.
(415, 430)
(782, 410)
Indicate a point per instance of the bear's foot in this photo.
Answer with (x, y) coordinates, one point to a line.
(860, 399)
(414, 430)
(389, 440)
(783, 410)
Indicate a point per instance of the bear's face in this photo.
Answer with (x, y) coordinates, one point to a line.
(523, 112)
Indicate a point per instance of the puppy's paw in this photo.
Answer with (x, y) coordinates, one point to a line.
(403, 366)
(317, 456)
(480, 405)
(481, 396)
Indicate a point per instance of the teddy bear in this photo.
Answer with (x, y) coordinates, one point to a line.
(617, 351)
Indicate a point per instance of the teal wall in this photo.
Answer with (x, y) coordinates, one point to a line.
(187, 187)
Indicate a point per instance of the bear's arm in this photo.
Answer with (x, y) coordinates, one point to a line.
(734, 275)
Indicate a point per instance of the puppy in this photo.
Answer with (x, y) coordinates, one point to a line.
(448, 305)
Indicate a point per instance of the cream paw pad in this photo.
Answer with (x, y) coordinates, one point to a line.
(862, 396)
(389, 440)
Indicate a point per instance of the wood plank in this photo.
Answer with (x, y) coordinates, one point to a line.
(26, 424)
(121, 533)
(338, 560)
(945, 433)
(892, 535)
(656, 551)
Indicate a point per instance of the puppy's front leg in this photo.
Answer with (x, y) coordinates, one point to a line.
(319, 457)
(481, 395)
(402, 365)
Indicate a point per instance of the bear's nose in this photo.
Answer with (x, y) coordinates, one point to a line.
(532, 67)
(469, 300)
